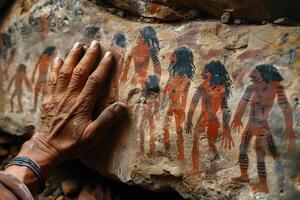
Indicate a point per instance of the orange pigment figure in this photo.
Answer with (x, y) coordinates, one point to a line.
(148, 104)
(147, 47)
(42, 65)
(118, 48)
(181, 72)
(214, 91)
(261, 94)
(18, 80)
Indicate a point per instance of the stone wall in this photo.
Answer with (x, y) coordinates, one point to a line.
(185, 84)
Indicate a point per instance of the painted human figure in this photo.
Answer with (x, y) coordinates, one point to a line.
(118, 48)
(181, 70)
(148, 106)
(10, 61)
(146, 48)
(17, 80)
(215, 91)
(42, 66)
(260, 95)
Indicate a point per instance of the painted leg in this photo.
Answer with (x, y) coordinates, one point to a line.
(243, 158)
(212, 133)
(36, 95)
(19, 97)
(152, 140)
(142, 139)
(180, 140)
(12, 101)
(166, 134)
(261, 185)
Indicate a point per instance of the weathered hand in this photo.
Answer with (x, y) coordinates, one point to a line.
(291, 137)
(227, 141)
(237, 125)
(66, 128)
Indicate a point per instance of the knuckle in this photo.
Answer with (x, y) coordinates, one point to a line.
(93, 79)
(79, 70)
(64, 73)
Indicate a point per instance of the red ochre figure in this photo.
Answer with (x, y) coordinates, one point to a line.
(18, 80)
(260, 95)
(42, 65)
(148, 104)
(118, 48)
(181, 72)
(147, 47)
(214, 91)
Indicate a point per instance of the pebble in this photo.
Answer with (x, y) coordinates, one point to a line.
(69, 187)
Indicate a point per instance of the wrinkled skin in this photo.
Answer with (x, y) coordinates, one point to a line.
(66, 129)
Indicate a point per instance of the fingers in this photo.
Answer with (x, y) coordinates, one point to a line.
(85, 67)
(52, 80)
(106, 120)
(66, 71)
(96, 81)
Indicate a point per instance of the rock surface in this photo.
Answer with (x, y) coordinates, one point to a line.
(136, 152)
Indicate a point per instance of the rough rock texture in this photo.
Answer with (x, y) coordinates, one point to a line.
(167, 63)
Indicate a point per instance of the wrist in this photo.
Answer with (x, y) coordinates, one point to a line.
(44, 159)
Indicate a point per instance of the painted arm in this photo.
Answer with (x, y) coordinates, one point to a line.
(165, 92)
(126, 68)
(195, 100)
(237, 123)
(185, 94)
(27, 83)
(288, 115)
(11, 82)
(156, 63)
(227, 141)
(34, 71)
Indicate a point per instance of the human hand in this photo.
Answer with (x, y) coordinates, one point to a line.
(237, 124)
(66, 128)
(227, 141)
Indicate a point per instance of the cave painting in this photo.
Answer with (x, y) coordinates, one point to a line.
(181, 71)
(148, 105)
(261, 94)
(147, 46)
(42, 66)
(215, 91)
(10, 61)
(118, 48)
(17, 80)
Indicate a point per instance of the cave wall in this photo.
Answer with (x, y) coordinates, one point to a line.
(165, 74)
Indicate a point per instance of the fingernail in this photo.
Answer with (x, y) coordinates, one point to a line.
(119, 109)
(77, 45)
(108, 54)
(94, 44)
(57, 60)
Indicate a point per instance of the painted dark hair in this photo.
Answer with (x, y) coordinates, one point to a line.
(150, 37)
(151, 86)
(22, 68)
(184, 65)
(120, 40)
(269, 73)
(49, 50)
(219, 76)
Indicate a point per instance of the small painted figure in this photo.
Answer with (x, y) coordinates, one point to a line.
(42, 65)
(181, 70)
(10, 61)
(18, 79)
(148, 106)
(260, 95)
(147, 46)
(118, 48)
(215, 91)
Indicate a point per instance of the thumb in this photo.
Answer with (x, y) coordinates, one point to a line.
(109, 117)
